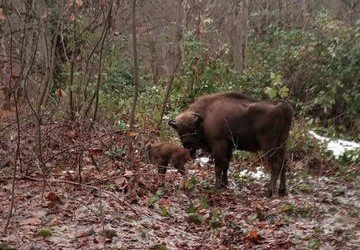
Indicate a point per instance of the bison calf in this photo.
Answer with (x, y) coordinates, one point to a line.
(165, 153)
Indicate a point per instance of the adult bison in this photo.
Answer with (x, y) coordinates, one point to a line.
(222, 122)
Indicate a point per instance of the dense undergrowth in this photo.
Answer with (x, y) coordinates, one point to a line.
(317, 70)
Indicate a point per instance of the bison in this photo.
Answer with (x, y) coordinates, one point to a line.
(165, 153)
(220, 123)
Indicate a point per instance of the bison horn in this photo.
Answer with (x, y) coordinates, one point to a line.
(172, 123)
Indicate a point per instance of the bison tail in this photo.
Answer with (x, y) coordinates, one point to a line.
(287, 110)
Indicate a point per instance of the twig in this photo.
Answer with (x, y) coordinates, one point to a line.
(17, 154)
(121, 201)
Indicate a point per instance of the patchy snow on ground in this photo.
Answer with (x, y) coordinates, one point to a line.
(258, 174)
(337, 146)
(202, 160)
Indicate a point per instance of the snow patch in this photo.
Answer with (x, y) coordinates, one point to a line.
(258, 174)
(202, 160)
(337, 146)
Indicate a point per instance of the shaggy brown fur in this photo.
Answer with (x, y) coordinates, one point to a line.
(165, 153)
(222, 122)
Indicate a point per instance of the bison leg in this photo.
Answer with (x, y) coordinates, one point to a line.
(222, 159)
(224, 176)
(282, 188)
(162, 171)
(276, 160)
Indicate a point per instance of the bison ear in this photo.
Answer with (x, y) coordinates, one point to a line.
(198, 118)
(172, 124)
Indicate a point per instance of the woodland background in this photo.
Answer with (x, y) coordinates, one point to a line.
(85, 84)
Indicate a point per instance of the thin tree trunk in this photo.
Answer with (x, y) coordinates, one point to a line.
(17, 153)
(49, 71)
(107, 25)
(177, 49)
(136, 74)
(72, 68)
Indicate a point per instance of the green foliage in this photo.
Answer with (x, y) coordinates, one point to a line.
(164, 211)
(195, 218)
(351, 156)
(160, 247)
(338, 192)
(153, 200)
(288, 208)
(242, 155)
(45, 232)
(114, 153)
(201, 73)
(190, 185)
(117, 89)
(204, 202)
(214, 220)
(303, 146)
(239, 179)
(277, 89)
(118, 80)
(314, 244)
(191, 209)
(318, 68)
(5, 246)
(108, 233)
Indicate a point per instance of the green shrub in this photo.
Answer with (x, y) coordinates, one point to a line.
(318, 68)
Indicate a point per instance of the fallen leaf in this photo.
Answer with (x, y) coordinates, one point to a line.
(253, 236)
(120, 182)
(87, 233)
(128, 173)
(52, 197)
(79, 2)
(133, 133)
(30, 221)
(2, 16)
(60, 93)
(70, 134)
(165, 203)
(95, 151)
(88, 173)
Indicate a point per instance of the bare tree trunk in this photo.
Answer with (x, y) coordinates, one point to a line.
(50, 55)
(136, 74)
(236, 38)
(72, 68)
(245, 27)
(17, 153)
(104, 33)
(177, 57)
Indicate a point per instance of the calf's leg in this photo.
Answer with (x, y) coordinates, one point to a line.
(162, 171)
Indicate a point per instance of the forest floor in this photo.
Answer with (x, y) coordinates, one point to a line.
(117, 204)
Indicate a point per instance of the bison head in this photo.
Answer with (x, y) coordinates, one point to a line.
(188, 127)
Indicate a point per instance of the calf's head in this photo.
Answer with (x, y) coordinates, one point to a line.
(188, 126)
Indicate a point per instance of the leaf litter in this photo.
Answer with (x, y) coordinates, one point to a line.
(110, 199)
